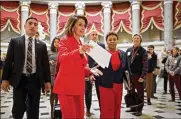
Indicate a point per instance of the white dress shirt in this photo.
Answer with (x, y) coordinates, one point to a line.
(33, 54)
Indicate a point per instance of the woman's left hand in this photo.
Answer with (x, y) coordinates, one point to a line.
(96, 72)
(92, 78)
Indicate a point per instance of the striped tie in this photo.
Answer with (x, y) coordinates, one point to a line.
(29, 57)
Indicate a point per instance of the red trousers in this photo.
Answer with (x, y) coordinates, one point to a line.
(72, 106)
(110, 99)
(174, 79)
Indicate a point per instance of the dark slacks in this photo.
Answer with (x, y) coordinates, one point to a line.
(165, 83)
(26, 97)
(88, 94)
(174, 79)
(140, 90)
(154, 85)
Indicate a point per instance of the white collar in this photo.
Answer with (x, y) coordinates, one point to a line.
(26, 37)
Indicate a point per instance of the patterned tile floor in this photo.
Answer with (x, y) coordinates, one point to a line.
(160, 107)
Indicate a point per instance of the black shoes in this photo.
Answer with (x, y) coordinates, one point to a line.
(172, 100)
(149, 103)
(164, 93)
(138, 113)
(130, 110)
(154, 97)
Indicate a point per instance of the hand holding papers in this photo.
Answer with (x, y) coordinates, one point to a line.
(99, 54)
(96, 71)
(84, 48)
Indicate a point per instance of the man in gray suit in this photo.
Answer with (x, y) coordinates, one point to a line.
(27, 69)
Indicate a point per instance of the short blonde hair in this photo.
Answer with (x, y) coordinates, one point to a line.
(71, 22)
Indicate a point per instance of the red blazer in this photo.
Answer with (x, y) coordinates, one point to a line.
(70, 79)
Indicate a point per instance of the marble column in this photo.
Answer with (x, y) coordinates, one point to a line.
(24, 14)
(135, 17)
(53, 20)
(168, 24)
(80, 7)
(107, 18)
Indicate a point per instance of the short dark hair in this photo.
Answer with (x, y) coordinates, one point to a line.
(139, 36)
(151, 46)
(52, 45)
(111, 33)
(31, 18)
(71, 22)
(175, 47)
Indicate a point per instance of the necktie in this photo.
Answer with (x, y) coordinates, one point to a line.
(29, 56)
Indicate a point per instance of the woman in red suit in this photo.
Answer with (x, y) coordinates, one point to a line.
(110, 83)
(70, 80)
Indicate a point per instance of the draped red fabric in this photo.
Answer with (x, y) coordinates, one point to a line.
(152, 13)
(40, 11)
(64, 12)
(10, 14)
(177, 15)
(121, 17)
(95, 19)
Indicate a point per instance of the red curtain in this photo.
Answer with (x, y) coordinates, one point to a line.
(64, 12)
(95, 19)
(152, 13)
(10, 14)
(177, 15)
(121, 17)
(40, 11)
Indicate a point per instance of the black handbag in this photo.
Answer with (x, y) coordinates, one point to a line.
(132, 98)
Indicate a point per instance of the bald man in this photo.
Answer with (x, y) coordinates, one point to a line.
(88, 92)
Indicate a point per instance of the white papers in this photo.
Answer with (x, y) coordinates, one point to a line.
(99, 54)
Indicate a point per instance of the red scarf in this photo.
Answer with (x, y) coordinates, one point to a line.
(115, 60)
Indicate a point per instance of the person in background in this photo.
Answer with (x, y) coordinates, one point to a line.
(70, 80)
(155, 73)
(165, 74)
(111, 82)
(27, 69)
(88, 88)
(1, 67)
(53, 53)
(173, 67)
(152, 63)
(138, 63)
(37, 36)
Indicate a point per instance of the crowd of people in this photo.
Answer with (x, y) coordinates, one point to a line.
(68, 73)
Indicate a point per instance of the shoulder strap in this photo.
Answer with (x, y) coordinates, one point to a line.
(123, 58)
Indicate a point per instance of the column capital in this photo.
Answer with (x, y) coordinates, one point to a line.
(168, 2)
(25, 5)
(80, 7)
(135, 5)
(53, 7)
(107, 6)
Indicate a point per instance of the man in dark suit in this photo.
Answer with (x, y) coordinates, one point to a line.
(27, 70)
(88, 93)
(138, 65)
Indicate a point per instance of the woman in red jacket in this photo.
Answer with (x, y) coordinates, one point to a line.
(110, 83)
(70, 80)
